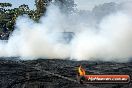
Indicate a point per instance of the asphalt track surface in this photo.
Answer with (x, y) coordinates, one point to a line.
(55, 73)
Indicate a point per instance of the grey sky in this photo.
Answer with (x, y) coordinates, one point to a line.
(81, 4)
(89, 4)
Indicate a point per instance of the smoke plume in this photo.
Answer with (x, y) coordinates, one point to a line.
(109, 40)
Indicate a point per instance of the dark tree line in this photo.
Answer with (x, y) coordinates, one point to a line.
(5, 4)
(8, 16)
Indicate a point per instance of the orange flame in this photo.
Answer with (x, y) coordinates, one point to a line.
(81, 71)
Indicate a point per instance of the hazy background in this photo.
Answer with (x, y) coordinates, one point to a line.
(81, 4)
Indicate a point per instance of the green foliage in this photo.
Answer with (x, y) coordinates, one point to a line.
(5, 4)
(41, 7)
(8, 16)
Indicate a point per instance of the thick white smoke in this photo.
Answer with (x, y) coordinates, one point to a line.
(110, 40)
(37, 39)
